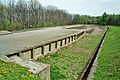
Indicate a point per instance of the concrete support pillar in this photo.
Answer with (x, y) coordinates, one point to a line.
(37, 52)
(26, 54)
(46, 49)
(63, 42)
(53, 46)
(58, 44)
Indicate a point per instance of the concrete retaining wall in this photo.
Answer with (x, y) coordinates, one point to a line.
(48, 47)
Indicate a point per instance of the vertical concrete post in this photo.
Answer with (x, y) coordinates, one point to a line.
(71, 40)
(58, 44)
(46, 48)
(37, 52)
(53, 48)
(63, 42)
(26, 54)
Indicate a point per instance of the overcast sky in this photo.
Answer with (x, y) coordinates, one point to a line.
(85, 7)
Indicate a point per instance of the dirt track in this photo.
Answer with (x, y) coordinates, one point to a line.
(90, 29)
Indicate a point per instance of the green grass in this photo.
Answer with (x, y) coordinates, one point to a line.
(109, 57)
(67, 64)
(13, 71)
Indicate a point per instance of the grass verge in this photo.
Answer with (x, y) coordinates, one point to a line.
(70, 62)
(13, 71)
(109, 58)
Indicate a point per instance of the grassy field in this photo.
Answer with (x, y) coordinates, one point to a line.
(68, 63)
(109, 59)
(13, 71)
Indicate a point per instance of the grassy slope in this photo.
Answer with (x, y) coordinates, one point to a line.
(109, 58)
(70, 62)
(13, 71)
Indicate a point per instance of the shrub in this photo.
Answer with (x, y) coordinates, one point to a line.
(15, 26)
(5, 24)
(39, 25)
(45, 25)
(50, 24)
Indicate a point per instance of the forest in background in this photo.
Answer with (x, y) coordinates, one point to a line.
(21, 14)
(105, 19)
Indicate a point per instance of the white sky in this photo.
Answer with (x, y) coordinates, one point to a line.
(85, 7)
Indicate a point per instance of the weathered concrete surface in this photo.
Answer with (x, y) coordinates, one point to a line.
(26, 55)
(4, 58)
(37, 52)
(43, 70)
(16, 42)
(5, 33)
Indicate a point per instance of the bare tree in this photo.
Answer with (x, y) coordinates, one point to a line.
(21, 13)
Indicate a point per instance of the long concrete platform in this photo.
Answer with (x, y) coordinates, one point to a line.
(16, 42)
